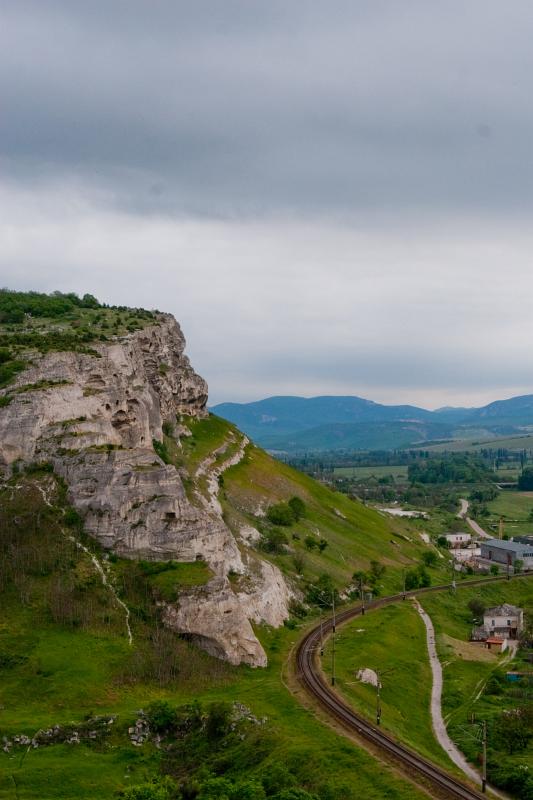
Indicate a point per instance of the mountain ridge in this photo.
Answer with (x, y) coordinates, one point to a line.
(295, 423)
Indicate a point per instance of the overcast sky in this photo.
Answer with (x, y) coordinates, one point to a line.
(332, 198)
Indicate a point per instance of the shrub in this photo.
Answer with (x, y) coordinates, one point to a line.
(274, 541)
(161, 451)
(168, 428)
(72, 518)
(297, 507)
(277, 778)
(158, 789)
(299, 563)
(281, 514)
(429, 558)
(297, 609)
(322, 592)
(161, 716)
(477, 607)
(417, 578)
(310, 542)
(218, 720)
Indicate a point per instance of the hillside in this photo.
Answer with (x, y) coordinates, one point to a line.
(298, 424)
(141, 561)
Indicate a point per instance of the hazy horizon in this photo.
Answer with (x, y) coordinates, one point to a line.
(211, 404)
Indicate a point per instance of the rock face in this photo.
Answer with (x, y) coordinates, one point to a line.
(96, 424)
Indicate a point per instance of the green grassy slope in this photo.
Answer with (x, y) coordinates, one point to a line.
(70, 659)
(355, 534)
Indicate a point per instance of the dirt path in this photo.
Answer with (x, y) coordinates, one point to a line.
(212, 473)
(437, 721)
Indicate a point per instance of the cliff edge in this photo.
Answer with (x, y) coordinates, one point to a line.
(100, 417)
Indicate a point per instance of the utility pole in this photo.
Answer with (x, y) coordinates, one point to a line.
(321, 636)
(333, 639)
(378, 698)
(484, 766)
(362, 594)
(454, 587)
(403, 577)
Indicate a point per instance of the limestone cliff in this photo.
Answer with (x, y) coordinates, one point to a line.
(94, 417)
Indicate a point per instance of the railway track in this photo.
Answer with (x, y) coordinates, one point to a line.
(313, 680)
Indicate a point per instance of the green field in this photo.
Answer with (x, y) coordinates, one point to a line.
(391, 639)
(515, 508)
(398, 471)
(522, 442)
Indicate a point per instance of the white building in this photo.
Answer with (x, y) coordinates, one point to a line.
(466, 553)
(504, 621)
(458, 539)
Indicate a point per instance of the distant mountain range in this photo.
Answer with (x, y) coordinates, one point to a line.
(299, 424)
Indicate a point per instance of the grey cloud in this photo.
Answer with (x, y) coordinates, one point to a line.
(245, 109)
(331, 197)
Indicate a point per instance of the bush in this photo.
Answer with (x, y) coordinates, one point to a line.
(72, 518)
(429, 558)
(297, 506)
(477, 607)
(281, 514)
(299, 563)
(310, 542)
(218, 720)
(277, 778)
(274, 541)
(161, 716)
(417, 578)
(322, 592)
(168, 428)
(158, 789)
(161, 450)
(525, 481)
(297, 609)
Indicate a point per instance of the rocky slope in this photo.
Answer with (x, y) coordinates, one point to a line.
(94, 418)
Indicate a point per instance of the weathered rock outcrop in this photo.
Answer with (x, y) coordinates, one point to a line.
(95, 419)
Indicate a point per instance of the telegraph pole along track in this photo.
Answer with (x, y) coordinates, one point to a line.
(310, 675)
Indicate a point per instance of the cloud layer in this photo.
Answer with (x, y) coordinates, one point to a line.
(330, 197)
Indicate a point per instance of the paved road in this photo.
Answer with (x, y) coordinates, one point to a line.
(463, 514)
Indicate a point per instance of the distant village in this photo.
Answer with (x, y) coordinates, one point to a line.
(481, 553)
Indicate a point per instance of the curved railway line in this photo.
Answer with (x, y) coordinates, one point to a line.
(312, 678)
